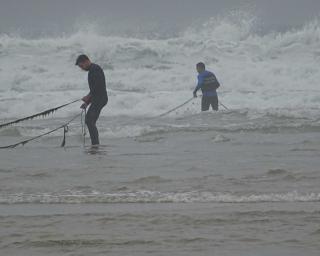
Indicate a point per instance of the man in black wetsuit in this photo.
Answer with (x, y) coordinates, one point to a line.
(97, 97)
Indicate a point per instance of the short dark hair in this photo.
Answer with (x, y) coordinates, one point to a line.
(81, 58)
(201, 65)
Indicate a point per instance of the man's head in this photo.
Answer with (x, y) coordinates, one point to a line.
(83, 62)
(201, 67)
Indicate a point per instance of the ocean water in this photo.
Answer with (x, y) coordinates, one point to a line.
(243, 181)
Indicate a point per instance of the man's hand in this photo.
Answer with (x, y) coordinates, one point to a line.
(87, 99)
(84, 106)
(194, 94)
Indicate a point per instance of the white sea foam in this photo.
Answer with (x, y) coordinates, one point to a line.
(74, 197)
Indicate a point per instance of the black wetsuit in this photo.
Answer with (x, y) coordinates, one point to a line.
(99, 98)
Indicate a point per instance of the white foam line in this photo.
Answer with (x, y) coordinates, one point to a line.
(156, 197)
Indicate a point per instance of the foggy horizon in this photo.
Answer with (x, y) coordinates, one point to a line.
(36, 17)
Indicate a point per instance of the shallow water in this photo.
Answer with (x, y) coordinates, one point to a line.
(186, 186)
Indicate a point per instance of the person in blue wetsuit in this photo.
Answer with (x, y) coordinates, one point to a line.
(208, 83)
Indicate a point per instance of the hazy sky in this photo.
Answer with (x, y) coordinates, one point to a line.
(59, 16)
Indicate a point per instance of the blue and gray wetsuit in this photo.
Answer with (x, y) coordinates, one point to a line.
(208, 83)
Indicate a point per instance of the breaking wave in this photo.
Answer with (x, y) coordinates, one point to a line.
(275, 74)
(264, 68)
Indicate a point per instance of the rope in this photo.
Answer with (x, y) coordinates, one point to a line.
(223, 106)
(43, 114)
(64, 126)
(180, 106)
(83, 126)
(183, 104)
(65, 130)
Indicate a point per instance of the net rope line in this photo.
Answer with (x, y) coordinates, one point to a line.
(176, 108)
(63, 126)
(83, 125)
(183, 104)
(43, 114)
(83, 128)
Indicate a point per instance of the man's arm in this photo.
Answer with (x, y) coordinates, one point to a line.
(86, 101)
(97, 82)
(199, 85)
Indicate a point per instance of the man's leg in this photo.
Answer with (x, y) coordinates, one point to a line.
(205, 103)
(91, 119)
(215, 103)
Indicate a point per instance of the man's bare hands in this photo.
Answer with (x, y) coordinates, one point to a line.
(87, 99)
